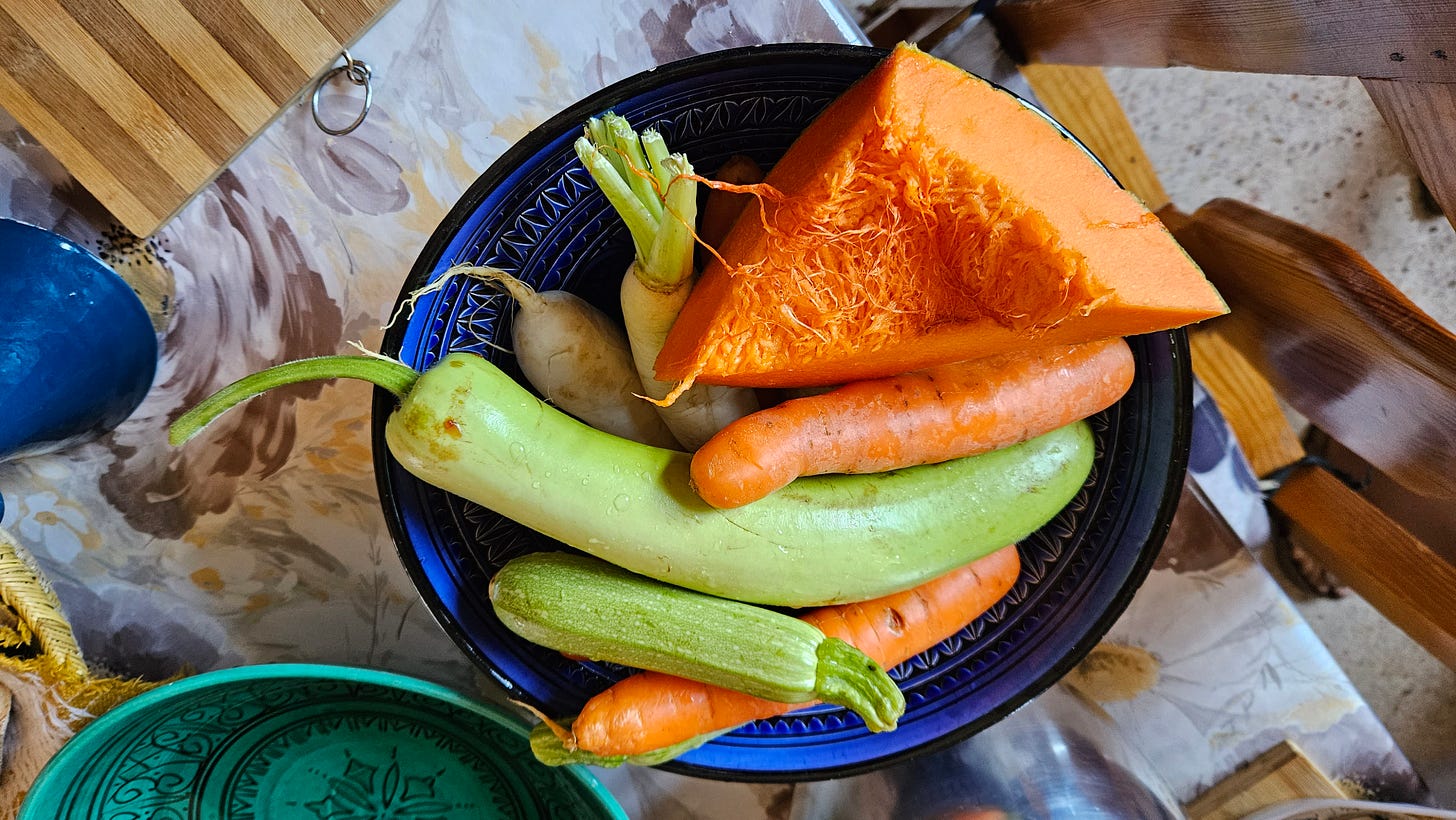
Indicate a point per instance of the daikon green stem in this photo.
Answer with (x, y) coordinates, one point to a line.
(597, 132)
(669, 264)
(659, 206)
(638, 171)
(640, 222)
(656, 150)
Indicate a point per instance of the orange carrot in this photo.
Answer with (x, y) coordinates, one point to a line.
(650, 710)
(927, 416)
(723, 205)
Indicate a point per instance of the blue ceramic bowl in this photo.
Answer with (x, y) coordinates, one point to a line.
(536, 213)
(77, 349)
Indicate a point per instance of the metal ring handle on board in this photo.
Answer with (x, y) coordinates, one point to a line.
(359, 73)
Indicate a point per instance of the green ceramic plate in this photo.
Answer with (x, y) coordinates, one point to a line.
(303, 741)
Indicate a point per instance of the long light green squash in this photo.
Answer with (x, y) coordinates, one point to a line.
(468, 428)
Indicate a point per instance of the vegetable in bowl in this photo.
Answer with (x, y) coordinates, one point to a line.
(539, 215)
(466, 427)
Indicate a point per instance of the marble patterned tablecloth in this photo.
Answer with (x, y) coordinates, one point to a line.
(264, 541)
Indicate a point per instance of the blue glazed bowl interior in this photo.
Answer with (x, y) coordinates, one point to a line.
(537, 214)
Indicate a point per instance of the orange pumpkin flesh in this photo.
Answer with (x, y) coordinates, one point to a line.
(927, 217)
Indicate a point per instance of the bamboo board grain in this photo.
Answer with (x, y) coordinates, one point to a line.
(145, 101)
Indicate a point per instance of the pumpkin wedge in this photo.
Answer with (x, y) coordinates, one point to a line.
(926, 217)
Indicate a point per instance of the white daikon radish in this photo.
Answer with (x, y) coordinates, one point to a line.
(577, 358)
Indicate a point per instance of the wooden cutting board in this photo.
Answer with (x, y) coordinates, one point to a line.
(145, 101)
(1278, 775)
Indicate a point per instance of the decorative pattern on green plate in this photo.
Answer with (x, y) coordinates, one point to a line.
(308, 742)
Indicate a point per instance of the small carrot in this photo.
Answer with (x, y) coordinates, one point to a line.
(722, 206)
(922, 417)
(650, 711)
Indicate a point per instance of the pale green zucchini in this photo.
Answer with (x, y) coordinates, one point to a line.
(468, 428)
(820, 540)
(584, 606)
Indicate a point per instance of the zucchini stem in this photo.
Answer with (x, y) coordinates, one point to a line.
(847, 677)
(396, 377)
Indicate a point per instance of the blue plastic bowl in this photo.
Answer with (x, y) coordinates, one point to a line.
(537, 214)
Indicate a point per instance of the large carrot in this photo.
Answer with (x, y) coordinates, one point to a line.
(651, 711)
(923, 417)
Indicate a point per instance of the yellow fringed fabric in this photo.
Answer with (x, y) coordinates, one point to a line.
(52, 693)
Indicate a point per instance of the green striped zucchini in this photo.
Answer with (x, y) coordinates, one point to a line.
(584, 606)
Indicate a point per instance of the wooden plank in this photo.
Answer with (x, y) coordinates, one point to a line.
(1431, 520)
(1412, 39)
(1381, 561)
(924, 24)
(1079, 98)
(1246, 400)
(1337, 341)
(146, 101)
(1423, 117)
(1282, 773)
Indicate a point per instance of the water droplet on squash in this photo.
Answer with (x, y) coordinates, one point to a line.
(622, 502)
